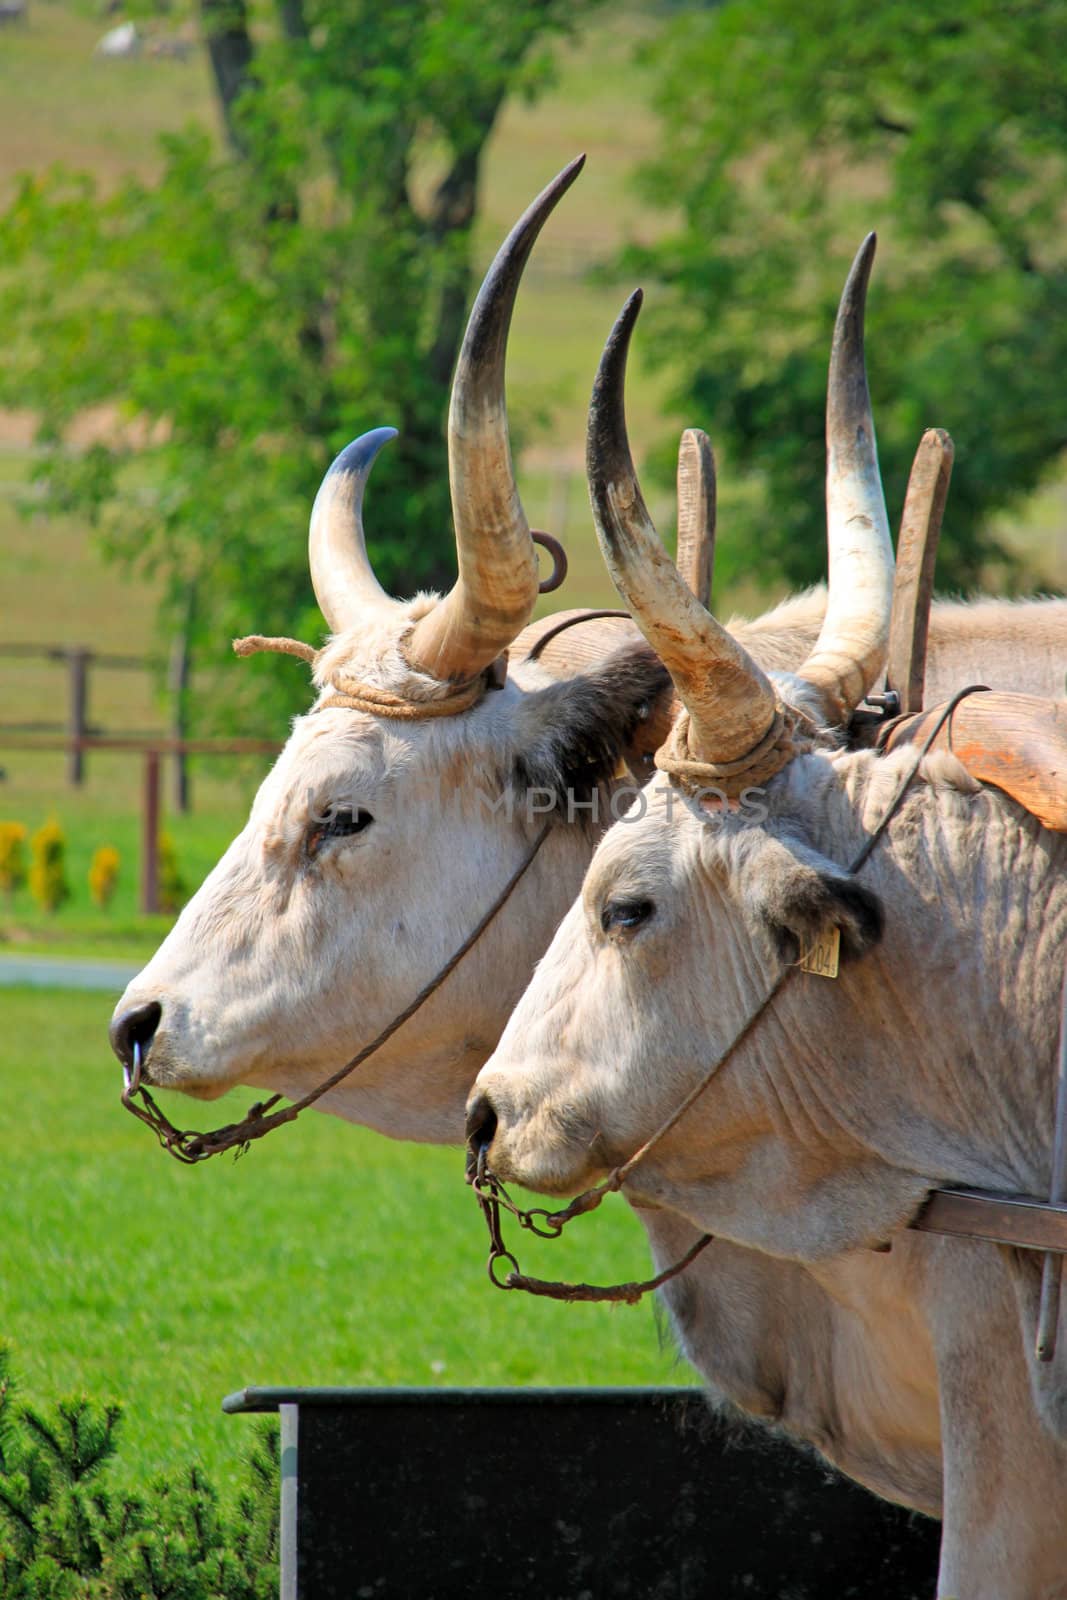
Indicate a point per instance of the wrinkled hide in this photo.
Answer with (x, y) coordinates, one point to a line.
(929, 1061)
(299, 948)
(278, 970)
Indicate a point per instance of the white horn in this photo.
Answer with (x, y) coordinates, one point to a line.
(851, 648)
(341, 574)
(494, 596)
(731, 702)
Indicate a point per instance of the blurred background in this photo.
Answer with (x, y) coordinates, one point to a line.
(233, 236)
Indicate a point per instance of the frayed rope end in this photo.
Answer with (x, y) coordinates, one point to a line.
(253, 643)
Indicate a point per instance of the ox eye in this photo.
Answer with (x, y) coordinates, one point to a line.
(625, 914)
(339, 823)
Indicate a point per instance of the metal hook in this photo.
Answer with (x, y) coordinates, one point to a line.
(559, 561)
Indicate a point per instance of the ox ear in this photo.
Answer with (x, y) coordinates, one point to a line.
(571, 736)
(797, 896)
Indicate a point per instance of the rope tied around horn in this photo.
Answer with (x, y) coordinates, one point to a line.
(773, 751)
(356, 696)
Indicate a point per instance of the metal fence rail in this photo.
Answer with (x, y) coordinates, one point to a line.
(152, 750)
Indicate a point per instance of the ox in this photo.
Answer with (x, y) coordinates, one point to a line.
(927, 1061)
(379, 835)
(322, 920)
(305, 939)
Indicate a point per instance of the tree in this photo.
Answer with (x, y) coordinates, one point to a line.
(256, 308)
(789, 132)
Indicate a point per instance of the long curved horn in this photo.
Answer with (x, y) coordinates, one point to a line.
(498, 580)
(731, 702)
(851, 648)
(341, 574)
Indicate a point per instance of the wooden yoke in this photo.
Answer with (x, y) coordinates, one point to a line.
(1016, 742)
(913, 586)
(696, 513)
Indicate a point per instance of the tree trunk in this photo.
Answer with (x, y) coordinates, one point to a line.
(230, 51)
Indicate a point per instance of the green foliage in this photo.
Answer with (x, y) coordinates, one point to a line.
(64, 1535)
(789, 132)
(48, 871)
(104, 875)
(12, 857)
(252, 312)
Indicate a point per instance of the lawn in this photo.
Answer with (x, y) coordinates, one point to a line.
(327, 1255)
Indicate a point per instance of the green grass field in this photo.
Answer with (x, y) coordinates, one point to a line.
(327, 1255)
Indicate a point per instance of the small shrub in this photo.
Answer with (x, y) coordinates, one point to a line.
(104, 875)
(65, 1536)
(173, 889)
(48, 870)
(12, 858)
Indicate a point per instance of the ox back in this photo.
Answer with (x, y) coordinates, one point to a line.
(569, 1494)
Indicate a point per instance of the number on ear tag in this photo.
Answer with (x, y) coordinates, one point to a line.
(823, 957)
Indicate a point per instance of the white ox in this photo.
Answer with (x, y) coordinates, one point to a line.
(309, 936)
(301, 945)
(929, 1061)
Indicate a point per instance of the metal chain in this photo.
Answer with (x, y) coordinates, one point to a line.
(189, 1147)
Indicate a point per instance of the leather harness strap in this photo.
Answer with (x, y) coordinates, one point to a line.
(1023, 1221)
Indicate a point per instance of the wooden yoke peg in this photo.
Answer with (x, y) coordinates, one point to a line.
(696, 513)
(913, 587)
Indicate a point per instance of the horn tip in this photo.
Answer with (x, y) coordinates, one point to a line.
(627, 318)
(561, 182)
(358, 456)
(608, 389)
(860, 271)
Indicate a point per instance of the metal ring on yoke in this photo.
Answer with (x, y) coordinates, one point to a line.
(559, 561)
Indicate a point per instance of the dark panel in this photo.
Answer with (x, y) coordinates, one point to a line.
(581, 1496)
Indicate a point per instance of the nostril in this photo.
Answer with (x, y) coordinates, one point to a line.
(136, 1025)
(481, 1127)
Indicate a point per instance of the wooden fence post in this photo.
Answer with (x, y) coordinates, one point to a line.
(178, 684)
(78, 663)
(559, 502)
(150, 833)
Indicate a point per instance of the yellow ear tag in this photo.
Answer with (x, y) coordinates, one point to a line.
(823, 957)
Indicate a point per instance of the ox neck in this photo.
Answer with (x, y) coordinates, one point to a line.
(807, 1158)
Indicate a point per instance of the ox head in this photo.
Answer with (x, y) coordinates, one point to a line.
(726, 868)
(382, 835)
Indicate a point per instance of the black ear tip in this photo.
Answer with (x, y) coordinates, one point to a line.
(865, 922)
(817, 901)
